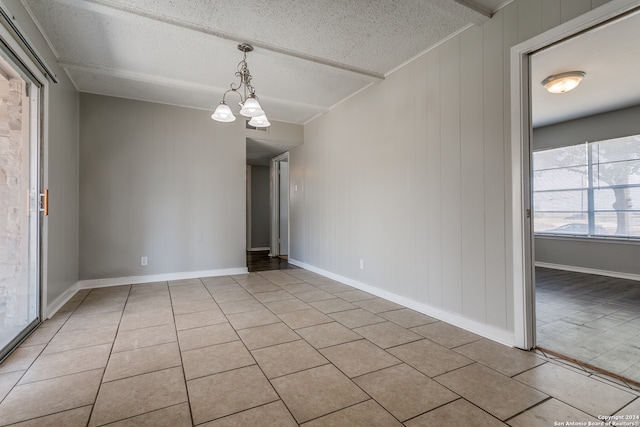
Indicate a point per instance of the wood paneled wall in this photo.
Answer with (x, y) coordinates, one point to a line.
(413, 174)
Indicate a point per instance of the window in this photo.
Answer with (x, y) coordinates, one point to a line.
(591, 189)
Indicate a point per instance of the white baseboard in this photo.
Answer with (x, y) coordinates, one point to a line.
(132, 280)
(259, 249)
(53, 307)
(615, 274)
(491, 332)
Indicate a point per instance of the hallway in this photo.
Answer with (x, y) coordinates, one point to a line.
(261, 261)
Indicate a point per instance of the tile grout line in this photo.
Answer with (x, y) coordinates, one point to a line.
(184, 375)
(95, 399)
(264, 374)
(40, 352)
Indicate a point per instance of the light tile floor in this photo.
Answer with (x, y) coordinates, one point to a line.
(590, 318)
(281, 348)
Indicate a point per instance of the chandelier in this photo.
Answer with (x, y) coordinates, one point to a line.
(249, 105)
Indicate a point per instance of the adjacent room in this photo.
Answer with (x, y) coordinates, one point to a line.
(586, 199)
(317, 213)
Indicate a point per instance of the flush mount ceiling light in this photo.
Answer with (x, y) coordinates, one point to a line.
(563, 82)
(249, 105)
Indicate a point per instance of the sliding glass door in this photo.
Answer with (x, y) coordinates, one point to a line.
(20, 203)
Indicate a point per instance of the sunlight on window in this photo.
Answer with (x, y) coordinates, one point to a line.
(591, 189)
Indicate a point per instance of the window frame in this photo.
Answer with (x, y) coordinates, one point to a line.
(589, 189)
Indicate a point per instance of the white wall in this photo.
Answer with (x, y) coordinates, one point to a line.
(599, 127)
(163, 182)
(413, 174)
(60, 237)
(158, 181)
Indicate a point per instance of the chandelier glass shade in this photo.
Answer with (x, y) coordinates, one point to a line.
(259, 122)
(249, 104)
(223, 113)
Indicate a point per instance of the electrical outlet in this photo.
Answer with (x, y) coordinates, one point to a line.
(143, 260)
(361, 264)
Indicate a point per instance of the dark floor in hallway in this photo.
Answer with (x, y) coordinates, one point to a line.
(261, 261)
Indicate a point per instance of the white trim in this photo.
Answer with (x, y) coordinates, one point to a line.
(132, 280)
(522, 258)
(616, 274)
(248, 184)
(274, 197)
(57, 304)
(40, 83)
(495, 334)
(54, 306)
(266, 248)
(522, 236)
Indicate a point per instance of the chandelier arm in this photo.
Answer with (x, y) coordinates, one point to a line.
(231, 90)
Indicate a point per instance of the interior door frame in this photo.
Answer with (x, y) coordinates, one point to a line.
(248, 207)
(521, 134)
(275, 204)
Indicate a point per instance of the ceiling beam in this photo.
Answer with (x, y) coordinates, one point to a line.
(476, 7)
(226, 36)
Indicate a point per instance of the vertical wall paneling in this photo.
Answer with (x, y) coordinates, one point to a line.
(401, 179)
(494, 172)
(434, 180)
(313, 196)
(431, 185)
(529, 19)
(472, 173)
(364, 197)
(509, 39)
(550, 14)
(296, 207)
(420, 204)
(569, 9)
(451, 191)
(598, 3)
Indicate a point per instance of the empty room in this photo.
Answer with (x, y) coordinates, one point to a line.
(319, 213)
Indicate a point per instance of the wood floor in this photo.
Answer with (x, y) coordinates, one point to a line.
(261, 261)
(592, 319)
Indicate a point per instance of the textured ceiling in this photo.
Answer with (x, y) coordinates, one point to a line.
(309, 54)
(610, 57)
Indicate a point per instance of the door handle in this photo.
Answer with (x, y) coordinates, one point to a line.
(44, 202)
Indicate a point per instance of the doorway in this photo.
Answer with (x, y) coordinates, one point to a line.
(21, 203)
(525, 121)
(280, 206)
